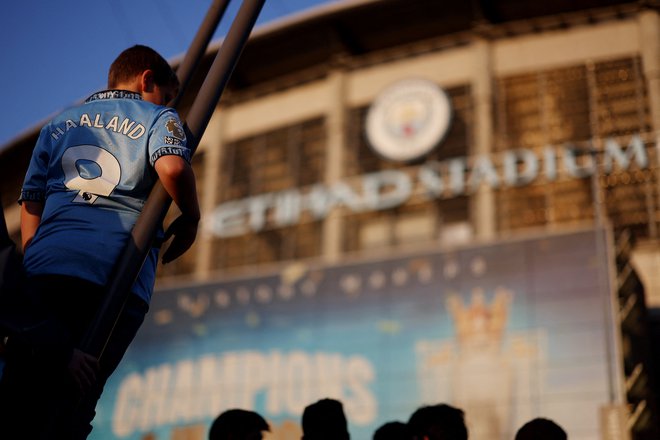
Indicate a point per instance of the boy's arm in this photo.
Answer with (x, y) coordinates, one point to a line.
(178, 179)
(30, 217)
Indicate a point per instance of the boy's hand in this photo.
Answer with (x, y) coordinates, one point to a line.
(184, 230)
(83, 368)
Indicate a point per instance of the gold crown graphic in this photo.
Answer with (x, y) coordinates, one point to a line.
(479, 323)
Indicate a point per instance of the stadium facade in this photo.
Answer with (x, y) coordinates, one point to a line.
(411, 202)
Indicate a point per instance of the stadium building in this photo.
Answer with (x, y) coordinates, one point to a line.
(408, 202)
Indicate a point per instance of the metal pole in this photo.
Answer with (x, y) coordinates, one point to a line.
(222, 69)
(156, 206)
(197, 49)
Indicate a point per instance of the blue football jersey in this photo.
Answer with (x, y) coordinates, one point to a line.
(93, 166)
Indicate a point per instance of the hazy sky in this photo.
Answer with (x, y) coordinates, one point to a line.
(55, 53)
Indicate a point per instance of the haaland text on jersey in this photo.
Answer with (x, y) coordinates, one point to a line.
(126, 126)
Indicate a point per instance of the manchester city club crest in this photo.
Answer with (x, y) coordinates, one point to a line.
(408, 119)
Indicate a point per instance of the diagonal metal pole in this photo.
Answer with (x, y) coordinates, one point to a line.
(156, 206)
(197, 48)
(221, 69)
(134, 254)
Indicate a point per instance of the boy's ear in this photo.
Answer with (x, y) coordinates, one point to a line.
(147, 81)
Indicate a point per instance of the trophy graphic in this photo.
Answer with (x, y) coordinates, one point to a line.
(484, 369)
(482, 372)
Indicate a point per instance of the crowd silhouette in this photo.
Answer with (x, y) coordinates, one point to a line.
(325, 419)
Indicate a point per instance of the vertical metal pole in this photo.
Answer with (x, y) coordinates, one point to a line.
(156, 206)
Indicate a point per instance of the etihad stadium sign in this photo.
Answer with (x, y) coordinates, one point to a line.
(431, 180)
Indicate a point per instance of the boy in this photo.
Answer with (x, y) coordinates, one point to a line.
(91, 171)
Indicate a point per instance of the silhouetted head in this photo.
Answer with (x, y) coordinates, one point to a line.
(394, 430)
(325, 420)
(541, 429)
(238, 424)
(438, 422)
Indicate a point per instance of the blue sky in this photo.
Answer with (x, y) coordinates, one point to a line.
(55, 53)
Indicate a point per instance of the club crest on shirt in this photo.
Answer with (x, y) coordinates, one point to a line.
(174, 127)
(178, 135)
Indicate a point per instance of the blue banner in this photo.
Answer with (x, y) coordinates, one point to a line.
(506, 331)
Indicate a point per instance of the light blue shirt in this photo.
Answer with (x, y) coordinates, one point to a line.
(93, 165)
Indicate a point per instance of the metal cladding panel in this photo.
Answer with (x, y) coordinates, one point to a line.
(506, 331)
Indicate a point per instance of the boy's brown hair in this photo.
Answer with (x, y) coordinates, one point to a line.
(135, 60)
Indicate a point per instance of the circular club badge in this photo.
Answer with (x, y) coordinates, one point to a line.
(408, 119)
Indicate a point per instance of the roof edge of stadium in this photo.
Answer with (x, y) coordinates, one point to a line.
(280, 24)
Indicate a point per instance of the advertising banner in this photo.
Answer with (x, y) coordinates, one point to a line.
(506, 331)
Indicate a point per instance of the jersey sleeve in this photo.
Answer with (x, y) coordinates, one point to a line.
(34, 184)
(168, 137)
